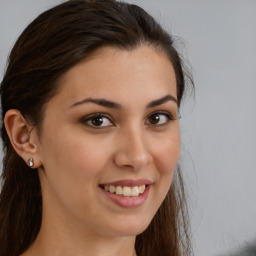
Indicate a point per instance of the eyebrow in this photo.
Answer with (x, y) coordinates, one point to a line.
(101, 102)
(111, 104)
(161, 101)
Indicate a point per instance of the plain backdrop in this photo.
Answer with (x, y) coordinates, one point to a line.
(218, 127)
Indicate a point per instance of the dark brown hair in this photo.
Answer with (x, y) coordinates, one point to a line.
(54, 42)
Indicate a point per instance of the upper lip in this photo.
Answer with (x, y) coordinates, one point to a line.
(129, 183)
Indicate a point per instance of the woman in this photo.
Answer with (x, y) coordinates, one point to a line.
(90, 102)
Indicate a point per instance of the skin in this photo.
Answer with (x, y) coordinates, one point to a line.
(73, 156)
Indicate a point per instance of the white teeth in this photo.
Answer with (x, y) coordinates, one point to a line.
(135, 191)
(142, 188)
(125, 191)
(119, 190)
(112, 189)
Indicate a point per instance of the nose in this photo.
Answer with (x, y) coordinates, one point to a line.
(133, 151)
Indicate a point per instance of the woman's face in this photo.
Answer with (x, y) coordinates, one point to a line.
(110, 142)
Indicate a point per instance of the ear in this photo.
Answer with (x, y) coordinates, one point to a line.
(23, 136)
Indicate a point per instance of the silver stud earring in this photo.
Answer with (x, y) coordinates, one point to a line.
(31, 162)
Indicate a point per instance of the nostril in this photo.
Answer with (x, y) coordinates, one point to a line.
(132, 153)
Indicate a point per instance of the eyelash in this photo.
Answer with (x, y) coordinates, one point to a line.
(168, 115)
(89, 119)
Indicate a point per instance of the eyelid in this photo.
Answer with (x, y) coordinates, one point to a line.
(163, 112)
(87, 118)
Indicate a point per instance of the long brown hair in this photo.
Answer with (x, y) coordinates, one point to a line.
(54, 42)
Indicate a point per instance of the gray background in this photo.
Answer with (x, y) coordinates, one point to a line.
(218, 127)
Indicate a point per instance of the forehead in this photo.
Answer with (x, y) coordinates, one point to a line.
(117, 73)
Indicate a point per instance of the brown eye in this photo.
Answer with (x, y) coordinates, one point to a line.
(159, 119)
(97, 121)
(154, 119)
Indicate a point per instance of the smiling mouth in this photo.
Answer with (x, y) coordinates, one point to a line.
(126, 191)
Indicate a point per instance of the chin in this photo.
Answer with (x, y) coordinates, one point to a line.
(132, 227)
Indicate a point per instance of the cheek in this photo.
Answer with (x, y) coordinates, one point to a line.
(71, 170)
(166, 158)
(167, 155)
(76, 158)
(90, 155)
(72, 162)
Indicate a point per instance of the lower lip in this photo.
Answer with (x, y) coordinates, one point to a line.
(128, 201)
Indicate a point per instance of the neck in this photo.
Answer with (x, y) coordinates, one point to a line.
(69, 240)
